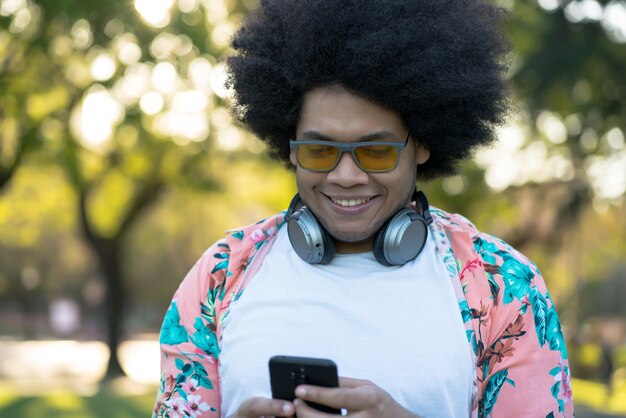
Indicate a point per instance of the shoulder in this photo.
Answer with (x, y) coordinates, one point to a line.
(456, 224)
(488, 267)
(206, 280)
(224, 257)
(491, 249)
(253, 236)
(227, 257)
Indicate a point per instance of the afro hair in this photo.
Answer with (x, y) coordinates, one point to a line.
(438, 63)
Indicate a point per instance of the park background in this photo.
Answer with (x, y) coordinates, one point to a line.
(120, 163)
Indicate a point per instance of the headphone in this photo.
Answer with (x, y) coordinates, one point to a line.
(398, 241)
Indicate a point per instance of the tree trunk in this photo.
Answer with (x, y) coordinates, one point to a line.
(109, 256)
(108, 250)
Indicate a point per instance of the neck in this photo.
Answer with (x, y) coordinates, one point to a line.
(342, 247)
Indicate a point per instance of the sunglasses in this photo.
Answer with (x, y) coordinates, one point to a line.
(371, 156)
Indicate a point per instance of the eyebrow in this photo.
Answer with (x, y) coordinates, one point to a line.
(369, 137)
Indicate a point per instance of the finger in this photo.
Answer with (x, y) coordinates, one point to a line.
(259, 406)
(305, 411)
(348, 382)
(348, 398)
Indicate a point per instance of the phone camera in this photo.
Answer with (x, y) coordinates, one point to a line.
(301, 377)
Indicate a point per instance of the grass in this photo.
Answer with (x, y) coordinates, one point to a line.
(597, 396)
(111, 403)
(69, 405)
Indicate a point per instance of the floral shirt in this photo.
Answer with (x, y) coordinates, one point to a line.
(512, 328)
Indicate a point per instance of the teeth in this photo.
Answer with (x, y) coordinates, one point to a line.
(350, 202)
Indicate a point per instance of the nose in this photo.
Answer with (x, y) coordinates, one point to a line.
(347, 173)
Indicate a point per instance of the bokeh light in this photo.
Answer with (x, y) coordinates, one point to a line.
(103, 67)
(95, 120)
(155, 12)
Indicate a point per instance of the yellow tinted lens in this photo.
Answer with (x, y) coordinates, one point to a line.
(317, 157)
(377, 157)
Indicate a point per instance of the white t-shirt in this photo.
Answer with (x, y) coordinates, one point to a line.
(399, 327)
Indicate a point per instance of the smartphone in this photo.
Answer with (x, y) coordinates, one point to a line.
(287, 372)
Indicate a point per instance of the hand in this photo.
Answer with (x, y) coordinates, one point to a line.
(361, 398)
(264, 407)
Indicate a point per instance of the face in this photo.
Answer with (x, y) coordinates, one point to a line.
(350, 203)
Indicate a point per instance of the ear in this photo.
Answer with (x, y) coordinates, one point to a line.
(292, 157)
(422, 154)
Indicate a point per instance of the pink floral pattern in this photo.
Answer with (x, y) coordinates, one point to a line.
(513, 331)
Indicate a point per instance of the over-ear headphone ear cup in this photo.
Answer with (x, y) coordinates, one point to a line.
(308, 239)
(401, 239)
(329, 246)
(378, 245)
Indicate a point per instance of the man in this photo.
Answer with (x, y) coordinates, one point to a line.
(423, 314)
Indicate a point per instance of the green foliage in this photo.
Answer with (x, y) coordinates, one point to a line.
(557, 55)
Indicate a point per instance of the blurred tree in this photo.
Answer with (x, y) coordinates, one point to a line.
(564, 149)
(570, 76)
(120, 99)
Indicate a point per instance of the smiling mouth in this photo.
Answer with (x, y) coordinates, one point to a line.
(350, 202)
